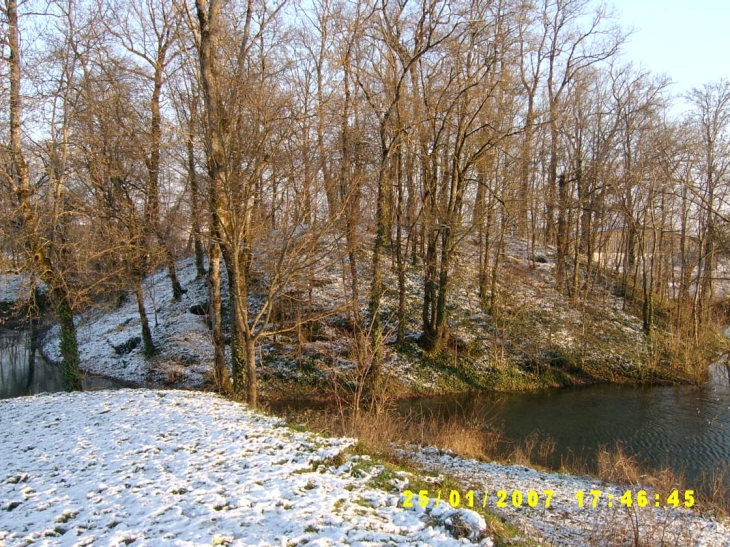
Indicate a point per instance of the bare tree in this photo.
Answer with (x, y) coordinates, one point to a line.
(241, 97)
(571, 47)
(17, 176)
(149, 32)
(711, 121)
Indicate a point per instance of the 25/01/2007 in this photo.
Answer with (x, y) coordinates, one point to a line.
(533, 498)
(502, 499)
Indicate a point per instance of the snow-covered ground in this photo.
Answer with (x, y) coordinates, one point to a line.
(184, 468)
(13, 287)
(183, 342)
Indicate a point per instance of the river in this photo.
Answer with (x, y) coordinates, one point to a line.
(684, 428)
(24, 371)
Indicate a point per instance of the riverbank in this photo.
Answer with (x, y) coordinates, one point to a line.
(537, 339)
(149, 467)
(606, 516)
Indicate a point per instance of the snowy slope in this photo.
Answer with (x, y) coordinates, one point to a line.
(12, 287)
(184, 468)
(183, 342)
(539, 338)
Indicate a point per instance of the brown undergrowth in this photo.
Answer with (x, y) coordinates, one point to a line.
(381, 429)
(712, 492)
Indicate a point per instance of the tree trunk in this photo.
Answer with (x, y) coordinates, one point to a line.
(552, 184)
(441, 327)
(147, 343)
(708, 252)
(215, 315)
(431, 236)
(253, 396)
(238, 309)
(493, 293)
(428, 314)
(194, 198)
(561, 244)
(399, 258)
(177, 289)
(69, 348)
(153, 227)
(526, 170)
(349, 197)
(376, 286)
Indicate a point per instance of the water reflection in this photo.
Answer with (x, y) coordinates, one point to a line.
(23, 371)
(720, 372)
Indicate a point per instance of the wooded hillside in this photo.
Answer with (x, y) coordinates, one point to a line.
(382, 137)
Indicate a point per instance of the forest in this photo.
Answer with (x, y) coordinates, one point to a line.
(275, 140)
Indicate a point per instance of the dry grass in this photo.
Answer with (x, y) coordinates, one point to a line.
(467, 434)
(617, 466)
(635, 526)
(535, 449)
(381, 429)
(471, 437)
(714, 491)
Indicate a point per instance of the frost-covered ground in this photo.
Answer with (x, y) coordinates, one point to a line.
(565, 523)
(13, 287)
(183, 468)
(109, 337)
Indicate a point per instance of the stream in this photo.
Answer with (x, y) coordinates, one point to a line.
(683, 428)
(24, 371)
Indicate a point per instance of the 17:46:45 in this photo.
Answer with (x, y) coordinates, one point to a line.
(641, 498)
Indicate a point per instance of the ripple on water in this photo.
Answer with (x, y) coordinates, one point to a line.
(684, 428)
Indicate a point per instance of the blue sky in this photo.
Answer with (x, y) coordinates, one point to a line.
(689, 40)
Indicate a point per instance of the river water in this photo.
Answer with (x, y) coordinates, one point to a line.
(684, 428)
(25, 372)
